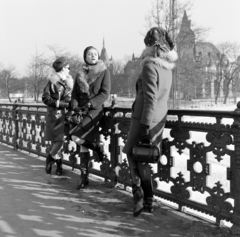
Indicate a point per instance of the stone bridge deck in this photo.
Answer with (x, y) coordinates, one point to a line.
(34, 204)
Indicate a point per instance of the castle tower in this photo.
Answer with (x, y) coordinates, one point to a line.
(186, 40)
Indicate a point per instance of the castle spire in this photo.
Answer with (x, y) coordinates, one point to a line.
(103, 43)
(104, 55)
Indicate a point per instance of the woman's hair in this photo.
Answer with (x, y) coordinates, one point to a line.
(59, 63)
(159, 39)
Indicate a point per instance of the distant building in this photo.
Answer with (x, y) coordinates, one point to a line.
(202, 56)
(199, 62)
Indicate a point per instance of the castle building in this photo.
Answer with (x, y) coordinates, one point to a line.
(201, 71)
(203, 63)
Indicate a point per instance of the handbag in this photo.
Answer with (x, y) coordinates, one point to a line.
(146, 153)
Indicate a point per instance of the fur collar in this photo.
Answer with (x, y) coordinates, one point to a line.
(55, 78)
(166, 61)
(88, 74)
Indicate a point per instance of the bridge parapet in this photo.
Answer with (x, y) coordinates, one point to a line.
(199, 170)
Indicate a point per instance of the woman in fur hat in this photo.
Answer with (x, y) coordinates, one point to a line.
(91, 89)
(57, 97)
(149, 111)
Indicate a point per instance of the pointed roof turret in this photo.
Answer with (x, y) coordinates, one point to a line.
(133, 57)
(104, 56)
(185, 34)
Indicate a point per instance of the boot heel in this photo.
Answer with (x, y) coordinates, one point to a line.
(83, 183)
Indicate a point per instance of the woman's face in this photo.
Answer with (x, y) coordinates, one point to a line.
(66, 70)
(92, 56)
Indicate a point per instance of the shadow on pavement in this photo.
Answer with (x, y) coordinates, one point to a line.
(36, 204)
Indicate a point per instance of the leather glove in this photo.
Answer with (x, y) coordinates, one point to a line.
(144, 133)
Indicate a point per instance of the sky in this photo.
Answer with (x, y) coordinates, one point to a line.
(30, 26)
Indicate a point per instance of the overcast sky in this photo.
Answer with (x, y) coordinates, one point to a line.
(30, 25)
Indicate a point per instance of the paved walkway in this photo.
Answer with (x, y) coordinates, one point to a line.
(34, 204)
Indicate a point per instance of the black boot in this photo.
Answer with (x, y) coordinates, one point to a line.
(148, 195)
(49, 162)
(148, 205)
(84, 181)
(137, 192)
(97, 147)
(59, 169)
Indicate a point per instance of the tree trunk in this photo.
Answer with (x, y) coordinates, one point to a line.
(218, 91)
(8, 95)
(227, 92)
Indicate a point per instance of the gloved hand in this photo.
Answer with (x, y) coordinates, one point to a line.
(63, 105)
(144, 133)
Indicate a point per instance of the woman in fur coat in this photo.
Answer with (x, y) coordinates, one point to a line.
(57, 97)
(91, 89)
(149, 111)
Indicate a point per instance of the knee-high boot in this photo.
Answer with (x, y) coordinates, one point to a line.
(84, 166)
(59, 169)
(97, 147)
(49, 162)
(137, 193)
(148, 195)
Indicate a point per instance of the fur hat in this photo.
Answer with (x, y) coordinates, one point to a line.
(159, 36)
(60, 63)
(85, 53)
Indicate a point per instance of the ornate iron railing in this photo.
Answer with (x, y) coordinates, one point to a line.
(200, 168)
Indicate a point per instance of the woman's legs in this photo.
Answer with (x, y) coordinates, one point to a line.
(133, 137)
(136, 187)
(94, 146)
(85, 157)
(56, 146)
(84, 166)
(51, 158)
(146, 184)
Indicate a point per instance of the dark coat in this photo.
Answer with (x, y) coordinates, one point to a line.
(92, 84)
(151, 103)
(56, 89)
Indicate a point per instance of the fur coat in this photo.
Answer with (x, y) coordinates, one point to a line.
(92, 85)
(56, 89)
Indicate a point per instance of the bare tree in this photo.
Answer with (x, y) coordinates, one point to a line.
(168, 15)
(8, 82)
(38, 71)
(191, 79)
(228, 69)
(118, 66)
(162, 14)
